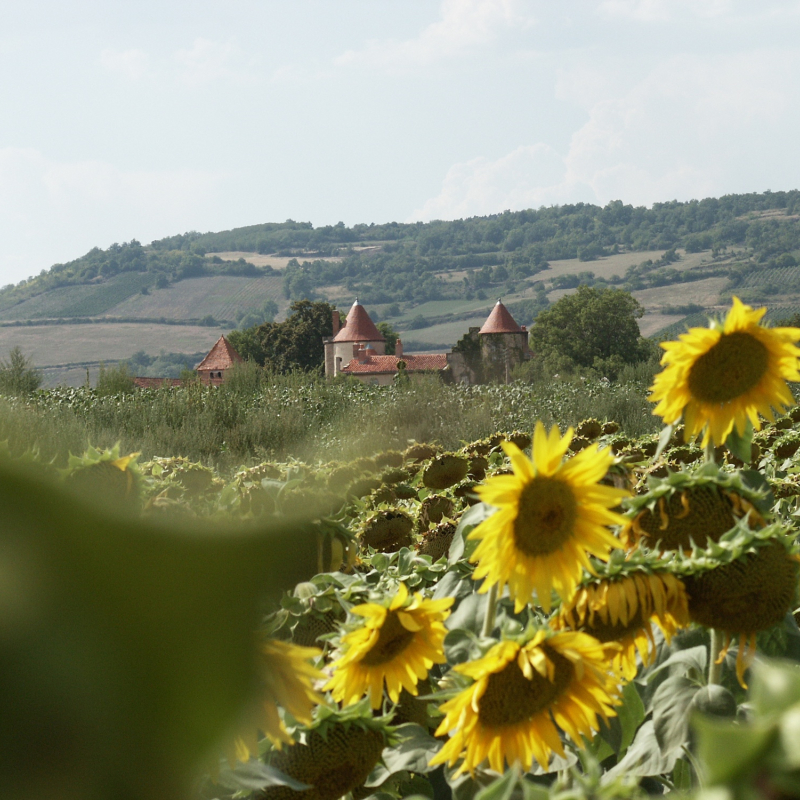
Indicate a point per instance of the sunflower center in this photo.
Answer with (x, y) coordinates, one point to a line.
(546, 516)
(733, 366)
(605, 631)
(392, 640)
(511, 698)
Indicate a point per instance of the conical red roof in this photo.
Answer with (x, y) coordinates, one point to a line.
(358, 327)
(220, 356)
(500, 321)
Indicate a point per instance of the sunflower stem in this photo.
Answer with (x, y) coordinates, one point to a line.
(708, 452)
(491, 611)
(714, 669)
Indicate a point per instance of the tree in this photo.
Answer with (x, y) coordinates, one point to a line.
(293, 344)
(592, 328)
(115, 380)
(390, 334)
(17, 375)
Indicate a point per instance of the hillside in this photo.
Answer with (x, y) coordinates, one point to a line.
(431, 281)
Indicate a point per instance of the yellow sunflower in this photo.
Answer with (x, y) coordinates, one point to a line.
(623, 609)
(286, 677)
(722, 376)
(522, 696)
(396, 645)
(551, 516)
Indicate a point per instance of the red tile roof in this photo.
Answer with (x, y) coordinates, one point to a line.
(221, 356)
(382, 365)
(500, 321)
(358, 327)
(156, 383)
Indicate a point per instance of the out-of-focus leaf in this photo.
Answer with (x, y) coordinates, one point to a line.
(502, 789)
(727, 750)
(460, 548)
(255, 776)
(469, 614)
(126, 647)
(775, 686)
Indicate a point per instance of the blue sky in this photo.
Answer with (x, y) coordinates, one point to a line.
(141, 120)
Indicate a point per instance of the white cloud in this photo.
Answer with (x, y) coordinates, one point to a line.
(463, 25)
(692, 127)
(51, 211)
(663, 10)
(207, 61)
(134, 64)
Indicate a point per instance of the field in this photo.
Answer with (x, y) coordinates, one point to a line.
(88, 300)
(50, 345)
(221, 296)
(276, 262)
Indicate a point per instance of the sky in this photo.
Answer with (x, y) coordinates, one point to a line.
(123, 121)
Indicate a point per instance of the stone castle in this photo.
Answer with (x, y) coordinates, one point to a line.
(484, 354)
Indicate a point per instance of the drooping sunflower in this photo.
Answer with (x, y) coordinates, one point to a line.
(551, 516)
(727, 374)
(522, 695)
(692, 508)
(741, 585)
(395, 646)
(622, 603)
(286, 678)
(333, 756)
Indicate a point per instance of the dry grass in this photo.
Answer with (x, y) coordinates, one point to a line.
(276, 262)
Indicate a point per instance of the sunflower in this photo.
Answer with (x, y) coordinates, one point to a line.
(623, 603)
(522, 695)
(286, 678)
(742, 585)
(722, 376)
(692, 508)
(333, 756)
(551, 516)
(396, 645)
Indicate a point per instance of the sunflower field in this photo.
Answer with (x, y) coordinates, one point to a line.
(544, 612)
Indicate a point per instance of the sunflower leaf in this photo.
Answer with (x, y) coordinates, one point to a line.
(671, 704)
(413, 752)
(741, 444)
(663, 439)
(644, 757)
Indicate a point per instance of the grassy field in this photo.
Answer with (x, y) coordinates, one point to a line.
(276, 262)
(88, 300)
(447, 333)
(222, 296)
(49, 345)
(608, 266)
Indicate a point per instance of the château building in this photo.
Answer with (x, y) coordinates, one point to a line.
(484, 354)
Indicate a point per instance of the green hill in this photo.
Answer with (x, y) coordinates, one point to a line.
(432, 280)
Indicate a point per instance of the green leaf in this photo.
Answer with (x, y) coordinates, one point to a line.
(469, 614)
(741, 445)
(631, 715)
(459, 646)
(789, 731)
(682, 775)
(461, 548)
(127, 646)
(671, 704)
(681, 662)
(775, 686)
(416, 748)
(502, 789)
(255, 776)
(644, 757)
(727, 750)
(663, 439)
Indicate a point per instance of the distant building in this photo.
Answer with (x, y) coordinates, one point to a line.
(484, 354)
(221, 357)
(211, 370)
